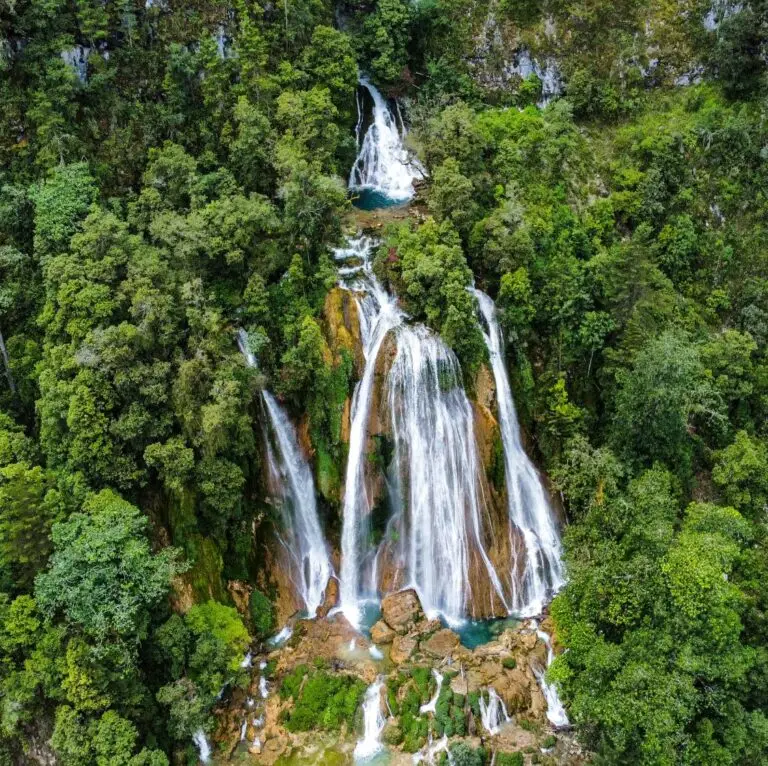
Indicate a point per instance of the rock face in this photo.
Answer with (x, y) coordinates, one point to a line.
(402, 610)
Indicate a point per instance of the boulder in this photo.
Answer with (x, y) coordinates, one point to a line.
(402, 610)
(381, 633)
(403, 648)
(441, 644)
(331, 597)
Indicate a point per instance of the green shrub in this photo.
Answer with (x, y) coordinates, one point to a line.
(422, 677)
(510, 663)
(392, 736)
(262, 614)
(473, 698)
(292, 682)
(549, 741)
(510, 759)
(464, 755)
(324, 701)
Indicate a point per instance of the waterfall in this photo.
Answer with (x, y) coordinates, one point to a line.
(202, 745)
(529, 509)
(493, 713)
(378, 314)
(431, 750)
(431, 706)
(436, 461)
(436, 455)
(383, 165)
(304, 537)
(373, 720)
(555, 711)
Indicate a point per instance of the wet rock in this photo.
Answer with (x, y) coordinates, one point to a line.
(402, 610)
(331, 597)
(403, 648)
(441, 644)
(459, 685)
(381, 633)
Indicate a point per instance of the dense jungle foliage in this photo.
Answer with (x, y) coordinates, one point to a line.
(173, 171)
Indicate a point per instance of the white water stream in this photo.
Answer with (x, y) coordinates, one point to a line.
(378, 314)
(431, 706)
(555, 711)
(202, 745)
(289, 467)
(493, 713)
(383, 163)
(530, 512)
(373, 721)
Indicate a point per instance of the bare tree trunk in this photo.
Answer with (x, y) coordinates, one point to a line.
(7, 365)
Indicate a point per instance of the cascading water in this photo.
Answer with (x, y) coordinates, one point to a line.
(493, 713)
(555, 710)
(436, 456)
(202, 745)
(529, 510)
(384, 168)
(431, 706)
(378, 314)
(435, 461)
(373, 722)
(304, 539)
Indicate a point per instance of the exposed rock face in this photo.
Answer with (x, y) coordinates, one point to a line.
(403, 648)
(343, 326)
(402, 610)
(331, 597)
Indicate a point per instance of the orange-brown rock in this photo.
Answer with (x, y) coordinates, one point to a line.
(441, 644)
(402, 649)
(330, 597)
(402, 610)
(381, 633)
(240, 592)
(342, 325)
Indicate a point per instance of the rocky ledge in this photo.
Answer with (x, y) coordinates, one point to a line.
(420, 662)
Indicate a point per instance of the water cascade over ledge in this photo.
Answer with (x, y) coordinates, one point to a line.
(530, 512)
(384, 169)
(373, 722)
(555, 710)
(291, 474)
(436, 466)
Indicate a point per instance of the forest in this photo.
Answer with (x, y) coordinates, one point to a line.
(175, 171)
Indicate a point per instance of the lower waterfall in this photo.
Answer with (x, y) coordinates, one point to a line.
(292, 476)
(438, 468)
(494, 712)
(555, 710)
(373, 722)
(436, 463)
(530, 512)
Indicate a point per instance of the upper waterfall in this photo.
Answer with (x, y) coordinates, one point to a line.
(302, 534)
(530, 512)
(384, 169)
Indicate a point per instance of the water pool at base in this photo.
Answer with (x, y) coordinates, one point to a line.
(372, 199)
(476, 633)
